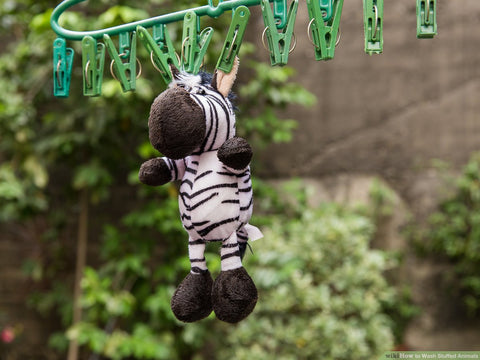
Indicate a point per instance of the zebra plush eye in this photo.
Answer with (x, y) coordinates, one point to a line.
(197, 90)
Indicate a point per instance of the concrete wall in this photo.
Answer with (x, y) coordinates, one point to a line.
(392, 113)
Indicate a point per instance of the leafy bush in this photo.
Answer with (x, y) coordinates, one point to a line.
(454, 232)
(54, 150)
(322, 292)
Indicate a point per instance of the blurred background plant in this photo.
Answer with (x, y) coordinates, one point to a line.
(322, 289)
(452, 233)
(61, 158)
(10, 335)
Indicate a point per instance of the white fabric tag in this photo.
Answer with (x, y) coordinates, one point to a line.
(253, 232)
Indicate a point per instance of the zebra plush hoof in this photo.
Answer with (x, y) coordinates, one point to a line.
(192, 300)
(234, 295)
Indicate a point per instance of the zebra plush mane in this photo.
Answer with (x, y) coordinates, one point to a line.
(202, 79)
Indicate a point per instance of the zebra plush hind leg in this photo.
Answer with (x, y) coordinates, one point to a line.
(234, 294)
(192, 301)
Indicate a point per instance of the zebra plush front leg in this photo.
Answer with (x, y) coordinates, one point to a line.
(234, 294)
(159, 171)
(192, 301)
(155, 172)
(236, 153)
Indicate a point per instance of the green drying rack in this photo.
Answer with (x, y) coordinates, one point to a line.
(322, 30)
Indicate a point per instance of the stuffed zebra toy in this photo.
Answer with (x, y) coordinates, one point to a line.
(192, 123)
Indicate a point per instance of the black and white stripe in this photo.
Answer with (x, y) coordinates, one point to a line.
(215, 201)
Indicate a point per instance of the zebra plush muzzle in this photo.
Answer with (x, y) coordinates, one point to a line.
(176, 124)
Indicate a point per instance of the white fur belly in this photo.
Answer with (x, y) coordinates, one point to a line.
(213, 201)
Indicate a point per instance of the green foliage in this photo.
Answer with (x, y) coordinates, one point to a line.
(321, 291)
(18, 196)
(288, 199)
(401, 310)
(126, 300)
(268, 92)
(52, 149)
(142, 343)
(382, 198)
(454, 232)
(382, 202)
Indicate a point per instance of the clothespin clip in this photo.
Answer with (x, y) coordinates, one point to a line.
(426, 18)
(124, 72)
(234, 39)
(93, 60)
(279, 42)
(326, 6)
(280, 13)
(322, 33)
(373, 26)
(160, 47)
(194, 45)
(62, 67)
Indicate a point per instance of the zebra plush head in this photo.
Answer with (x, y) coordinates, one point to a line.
(193, 115)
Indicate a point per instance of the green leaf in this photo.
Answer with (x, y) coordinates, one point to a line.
(91, 175)
(39, 174)
(41, 22)
(10, 187)
(119, 14)
(58, 341)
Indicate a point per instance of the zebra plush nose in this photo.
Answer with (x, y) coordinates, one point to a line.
(176, 126)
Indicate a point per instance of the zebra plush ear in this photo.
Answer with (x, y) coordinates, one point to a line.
(223, 82)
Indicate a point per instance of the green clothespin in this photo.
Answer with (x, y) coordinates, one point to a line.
(327, 9)
(160, 47)
(62, 67)
(324, 33)
(426, 19)
(280, 13)
(234, 39)
(194, 45)
(93, 61)
(124, 72)
(373, 26)
(278, 42)
(164, 42)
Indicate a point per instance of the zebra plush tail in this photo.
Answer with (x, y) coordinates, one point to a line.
(242, 237)
(243, 248)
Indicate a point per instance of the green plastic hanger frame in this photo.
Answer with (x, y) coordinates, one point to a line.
(207, 10)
